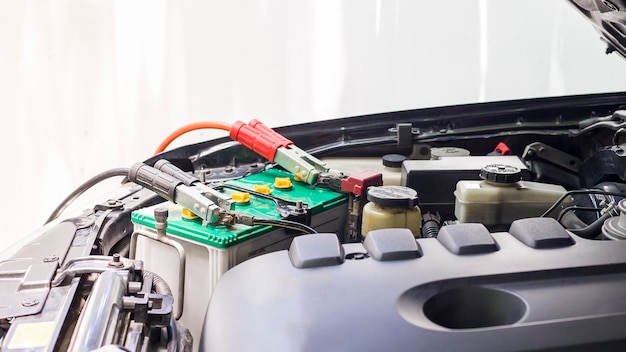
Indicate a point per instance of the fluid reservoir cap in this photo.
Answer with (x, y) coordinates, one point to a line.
(393, 196)
(446, 152)
(393, 160)
(500, 173)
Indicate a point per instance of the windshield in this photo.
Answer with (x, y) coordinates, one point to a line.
(88, 86)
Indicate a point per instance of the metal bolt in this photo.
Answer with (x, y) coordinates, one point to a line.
(229, 169)
(299, 207)
(161, 214)
(116, 261)
(111, 202)
(30, 302)
(50, 259)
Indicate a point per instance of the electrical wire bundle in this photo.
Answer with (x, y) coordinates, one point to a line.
(286, 224)
(591, 230)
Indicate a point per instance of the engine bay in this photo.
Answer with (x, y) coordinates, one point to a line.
(460, 227)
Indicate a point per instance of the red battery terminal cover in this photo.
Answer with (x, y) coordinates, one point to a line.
(503, 149)
(359, 182)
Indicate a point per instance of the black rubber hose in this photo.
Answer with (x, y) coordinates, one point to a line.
(85, 187)
(593, 230)
(579, 191)
(576, 208)
(179, 339)
(160, 286)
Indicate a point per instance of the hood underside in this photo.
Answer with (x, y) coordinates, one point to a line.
(609, 18)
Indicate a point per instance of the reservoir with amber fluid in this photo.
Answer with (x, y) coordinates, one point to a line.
(391, 207)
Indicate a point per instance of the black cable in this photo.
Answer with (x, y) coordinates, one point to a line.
(83, 188)
(291, 225)
(159, 285)
(592, 231)
(281, 204)
(278, 201)
(254, 193)
(579, 191)
(575, 208)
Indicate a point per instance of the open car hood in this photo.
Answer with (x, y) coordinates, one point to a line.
(609, 18)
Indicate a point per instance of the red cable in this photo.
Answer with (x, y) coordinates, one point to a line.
(192, 127)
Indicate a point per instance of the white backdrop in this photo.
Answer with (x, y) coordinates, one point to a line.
(90, 85)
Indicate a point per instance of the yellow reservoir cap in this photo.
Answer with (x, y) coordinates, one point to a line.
(282, 182)
(240, 197)
(265, 189)
(188, 214)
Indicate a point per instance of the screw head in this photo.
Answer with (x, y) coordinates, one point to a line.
(50, 259)
(30, 302)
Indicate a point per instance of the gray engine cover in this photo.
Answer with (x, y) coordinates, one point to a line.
(567, 293)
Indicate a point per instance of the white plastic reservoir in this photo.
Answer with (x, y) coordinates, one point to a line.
(501, 197)
(391, 207)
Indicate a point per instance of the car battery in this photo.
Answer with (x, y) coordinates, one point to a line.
(212, 250)
(435, 180)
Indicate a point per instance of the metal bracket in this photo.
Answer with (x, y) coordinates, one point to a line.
(551, 155)
(92, 264)
(182, 260)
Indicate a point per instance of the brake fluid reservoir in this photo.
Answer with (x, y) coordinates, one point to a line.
(392, 169)
(391, 207)
(501, 197)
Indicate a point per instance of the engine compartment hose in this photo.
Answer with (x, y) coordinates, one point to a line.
(593, 230)
(160, 286)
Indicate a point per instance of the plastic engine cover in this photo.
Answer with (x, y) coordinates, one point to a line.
(470, 290)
